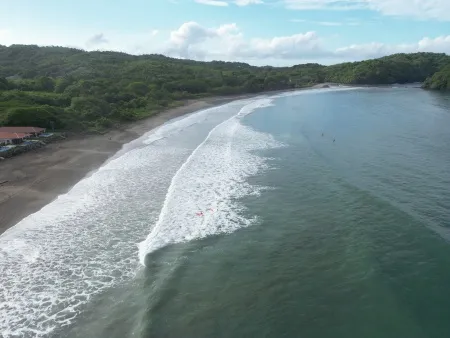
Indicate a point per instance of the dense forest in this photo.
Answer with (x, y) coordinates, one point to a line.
(440, 80)
(73, 89)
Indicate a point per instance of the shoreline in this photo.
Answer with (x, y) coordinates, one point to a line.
(36, 178)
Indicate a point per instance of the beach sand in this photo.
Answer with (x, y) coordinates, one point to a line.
(36, 178)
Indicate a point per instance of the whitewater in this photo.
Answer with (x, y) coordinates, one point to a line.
(54, 261)
(148, 196)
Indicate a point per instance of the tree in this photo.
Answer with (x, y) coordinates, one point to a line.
(35, 116)
(4, 84)
(439, 81)
(63, 83)
(138, 88)
(45, 83)
(90, 108)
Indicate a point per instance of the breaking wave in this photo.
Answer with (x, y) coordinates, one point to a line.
(54, 261)
(202, 197)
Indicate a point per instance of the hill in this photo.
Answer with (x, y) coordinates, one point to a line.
(79, 90)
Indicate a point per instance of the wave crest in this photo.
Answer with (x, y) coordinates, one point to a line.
(210, 181)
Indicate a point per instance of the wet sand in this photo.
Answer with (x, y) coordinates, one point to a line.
(36, 178)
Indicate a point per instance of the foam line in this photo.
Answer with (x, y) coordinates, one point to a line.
(212, 175)
(54, 261)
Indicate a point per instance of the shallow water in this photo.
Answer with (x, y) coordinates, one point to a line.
(326, 213)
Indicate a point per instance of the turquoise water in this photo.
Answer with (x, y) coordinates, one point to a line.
(332, 221)
(349, 243)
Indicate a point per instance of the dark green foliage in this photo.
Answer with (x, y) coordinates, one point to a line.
(5, 84)
(90, 108)
(33, 98)
(440, 80)
(36, 116)
(45, 84)
(138, 88)
(63, 83)
(187, 85)
(398, 68)
(97, 90)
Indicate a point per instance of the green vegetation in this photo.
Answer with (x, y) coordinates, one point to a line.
(440, 80)
(398, 68)
(76, 90)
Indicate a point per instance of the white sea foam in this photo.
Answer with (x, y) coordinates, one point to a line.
(210, 181)
(54, 261)
(177, 126)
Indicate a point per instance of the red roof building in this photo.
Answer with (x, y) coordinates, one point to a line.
(10, 138)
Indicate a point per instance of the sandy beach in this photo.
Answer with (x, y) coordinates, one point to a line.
(36, 178)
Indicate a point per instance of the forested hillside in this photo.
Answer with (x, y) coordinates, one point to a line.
(397, 68)
(440, 80)
(79, 90)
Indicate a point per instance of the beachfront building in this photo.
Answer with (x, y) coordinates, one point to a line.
(12, 138)
(33, 131)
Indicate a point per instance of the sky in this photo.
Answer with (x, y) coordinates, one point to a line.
(259, 32)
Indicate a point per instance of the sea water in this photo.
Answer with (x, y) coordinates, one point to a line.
(319, 213)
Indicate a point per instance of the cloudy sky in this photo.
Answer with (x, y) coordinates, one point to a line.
(260, 32)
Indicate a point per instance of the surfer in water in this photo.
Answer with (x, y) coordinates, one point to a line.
(200, 213)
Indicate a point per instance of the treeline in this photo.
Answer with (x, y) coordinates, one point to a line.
(73, 89)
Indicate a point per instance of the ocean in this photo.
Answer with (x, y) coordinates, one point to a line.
(316, 213)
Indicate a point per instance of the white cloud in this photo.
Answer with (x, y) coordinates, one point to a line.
(362, 51)
(283, 47)
(228, 43)
(96, 40)
(440, 44)
(373, 50)
(420, 9)
(192, 40)
(327, 23)
(221, 3)
(189, 33)
(137, 43)
(242, 3)
(325, 4)
(184, 40)
(213, 3)
(228, 29)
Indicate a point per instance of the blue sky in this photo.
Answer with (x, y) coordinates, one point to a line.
(277, 32)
